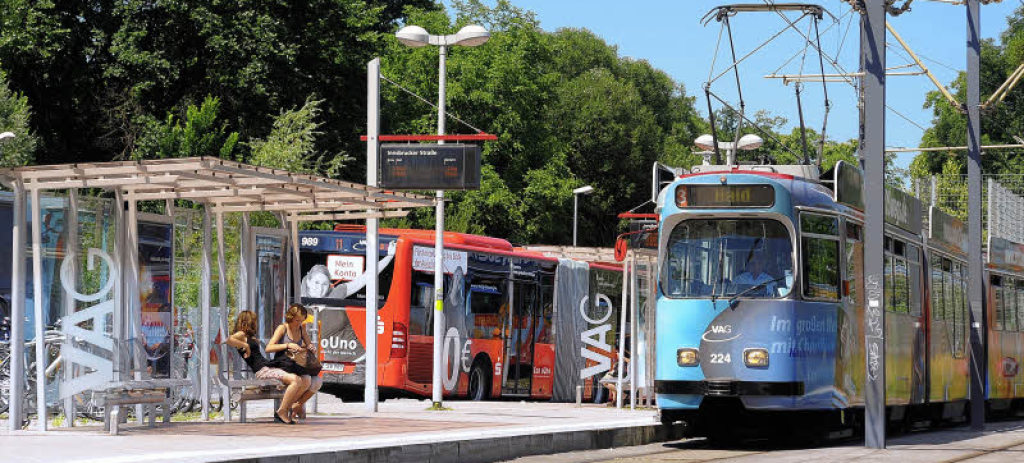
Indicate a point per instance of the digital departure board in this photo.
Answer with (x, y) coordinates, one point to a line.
(725, 196)
(429, 167)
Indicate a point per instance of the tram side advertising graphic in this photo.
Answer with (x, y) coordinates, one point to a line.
(499, 316)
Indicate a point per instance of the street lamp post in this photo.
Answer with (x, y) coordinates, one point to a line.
(583, 190)
(416, 36)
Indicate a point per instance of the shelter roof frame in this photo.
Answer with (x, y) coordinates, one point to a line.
(223, 186)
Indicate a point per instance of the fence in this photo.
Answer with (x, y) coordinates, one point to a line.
(1002, 201)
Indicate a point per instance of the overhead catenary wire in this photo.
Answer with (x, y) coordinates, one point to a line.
(432, 105)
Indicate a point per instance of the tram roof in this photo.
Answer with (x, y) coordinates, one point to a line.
(223, 186)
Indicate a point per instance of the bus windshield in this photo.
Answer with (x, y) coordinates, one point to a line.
(749, 258)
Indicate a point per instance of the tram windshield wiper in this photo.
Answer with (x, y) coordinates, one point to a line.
(721, 271)
(734, 299)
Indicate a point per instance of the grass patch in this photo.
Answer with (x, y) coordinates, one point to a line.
(439, 408)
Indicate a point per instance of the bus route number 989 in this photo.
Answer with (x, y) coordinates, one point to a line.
(309, 241)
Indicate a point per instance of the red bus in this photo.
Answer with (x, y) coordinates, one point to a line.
(517, 324)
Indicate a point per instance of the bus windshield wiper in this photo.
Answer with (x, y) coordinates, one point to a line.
(733, 299)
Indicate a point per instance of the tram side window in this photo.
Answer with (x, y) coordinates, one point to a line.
(488, 302)
(914, 278)
(1020, 304)
(996, 283)
(960, 325)
(951, 284)
(854, 261)
(1009, 305)
(938, 311)
(821, 256)
(887, 277)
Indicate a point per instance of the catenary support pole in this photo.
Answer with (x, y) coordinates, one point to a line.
(372, 252)
(872, 154)
(204, 329)
(634, 299)
(17, 398)
(975, 292)
(37, 299)
(439, 321)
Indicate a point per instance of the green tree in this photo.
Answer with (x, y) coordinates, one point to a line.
(198, 133)
(15, 113)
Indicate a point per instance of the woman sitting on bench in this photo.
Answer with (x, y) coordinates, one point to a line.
(282, 369)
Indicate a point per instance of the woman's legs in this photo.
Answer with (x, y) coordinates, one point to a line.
(314, 385)
(296, 386)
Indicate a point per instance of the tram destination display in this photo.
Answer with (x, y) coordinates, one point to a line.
(429, 167)
(725, 196)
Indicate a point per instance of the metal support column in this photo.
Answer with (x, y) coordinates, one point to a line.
(37, 299)
(975, 291)
(133, 303)
(296, 261)
(872, 154)
(242, 296)
(634, 300)
(204, 329)
(17, 398)
(71, 252)
(623, 308)
(222, 302)
(372, 253)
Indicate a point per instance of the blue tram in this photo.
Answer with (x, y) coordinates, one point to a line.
(760, 303)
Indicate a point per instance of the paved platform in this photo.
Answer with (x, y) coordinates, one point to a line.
(1000, 442)
(403, 430)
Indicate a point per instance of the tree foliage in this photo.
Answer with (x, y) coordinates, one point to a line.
(15, 113)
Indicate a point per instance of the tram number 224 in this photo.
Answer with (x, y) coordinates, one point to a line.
(717, 357)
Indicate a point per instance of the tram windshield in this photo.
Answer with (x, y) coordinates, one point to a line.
(749, 258)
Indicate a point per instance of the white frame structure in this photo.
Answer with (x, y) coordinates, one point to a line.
(219, 185)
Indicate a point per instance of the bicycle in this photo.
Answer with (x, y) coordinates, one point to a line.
(86, 405)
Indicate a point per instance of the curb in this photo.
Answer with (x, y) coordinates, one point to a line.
(490, 449)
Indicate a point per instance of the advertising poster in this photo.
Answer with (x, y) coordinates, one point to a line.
(155, 259)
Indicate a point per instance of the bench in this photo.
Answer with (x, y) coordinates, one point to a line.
(234, 376)
(148, 392)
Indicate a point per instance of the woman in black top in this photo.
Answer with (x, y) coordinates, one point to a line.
(244, 339)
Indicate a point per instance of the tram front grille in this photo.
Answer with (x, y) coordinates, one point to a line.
(721, 388)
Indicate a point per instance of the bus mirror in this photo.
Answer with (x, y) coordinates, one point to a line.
(621, 246)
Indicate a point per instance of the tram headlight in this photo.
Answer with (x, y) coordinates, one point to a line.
(687, 357)
(755, 358)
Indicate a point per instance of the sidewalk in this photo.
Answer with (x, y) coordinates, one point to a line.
(401, 430)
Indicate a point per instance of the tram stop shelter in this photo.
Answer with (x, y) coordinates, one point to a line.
(105, 312)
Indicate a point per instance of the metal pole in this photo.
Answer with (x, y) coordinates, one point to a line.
(975, 293)
(439, 244)
(872, 155)
(242, 296)
(17, 399)
(296, 261)
(69, 300)
(133, 302)
(37, 299)
(575, 216)
(372, 252)
(222, 301)
(634, 299)
(622, 333)
(204, 304)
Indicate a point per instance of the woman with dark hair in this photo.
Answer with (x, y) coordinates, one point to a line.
(292, 336)
(244, 339)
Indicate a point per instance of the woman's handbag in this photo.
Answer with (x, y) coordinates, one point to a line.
(306, 359)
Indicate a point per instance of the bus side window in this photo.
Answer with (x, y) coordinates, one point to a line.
(421, 300)
(488, 307)
(547, 300)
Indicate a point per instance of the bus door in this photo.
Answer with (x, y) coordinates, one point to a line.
(519, 341)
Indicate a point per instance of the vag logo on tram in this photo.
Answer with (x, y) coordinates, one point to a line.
(722, 330)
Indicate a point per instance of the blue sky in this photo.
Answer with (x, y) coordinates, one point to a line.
(669, 34)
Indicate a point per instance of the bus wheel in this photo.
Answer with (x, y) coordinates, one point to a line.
(479, 382)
